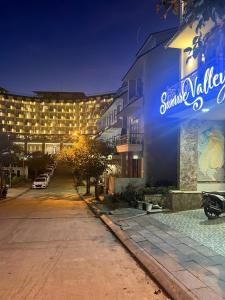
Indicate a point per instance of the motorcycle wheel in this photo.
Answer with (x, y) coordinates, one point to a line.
(209, 214)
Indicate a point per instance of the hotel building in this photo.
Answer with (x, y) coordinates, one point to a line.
(48, 120)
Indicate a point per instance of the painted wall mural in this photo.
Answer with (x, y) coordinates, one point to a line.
(211, 153)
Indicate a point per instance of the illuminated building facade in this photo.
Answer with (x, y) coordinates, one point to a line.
(197, 104)
(48, 120)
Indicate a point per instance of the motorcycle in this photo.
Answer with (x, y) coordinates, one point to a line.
(3, 192)
(213, 204)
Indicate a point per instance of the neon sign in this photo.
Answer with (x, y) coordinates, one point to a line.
(193, 91)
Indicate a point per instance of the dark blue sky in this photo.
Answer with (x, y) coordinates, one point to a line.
(72, 45)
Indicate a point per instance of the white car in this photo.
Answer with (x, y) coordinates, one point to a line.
(45, 175)
(50, 171)
(40, 183)
(51, 166)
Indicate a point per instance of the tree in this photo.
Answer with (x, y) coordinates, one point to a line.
(37, 162)
(201, 12)
(9, 156)
(9, 152)
(87, 158)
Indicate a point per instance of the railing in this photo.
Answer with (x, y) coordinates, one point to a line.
(130, 138)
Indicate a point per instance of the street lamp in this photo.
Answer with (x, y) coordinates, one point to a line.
(10, 167)
(1, 179)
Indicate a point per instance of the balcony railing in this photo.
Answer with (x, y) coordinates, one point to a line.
(130, 139)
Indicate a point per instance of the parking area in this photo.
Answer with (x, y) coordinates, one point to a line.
(194, 224)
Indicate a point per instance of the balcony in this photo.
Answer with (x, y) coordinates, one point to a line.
(132, 142)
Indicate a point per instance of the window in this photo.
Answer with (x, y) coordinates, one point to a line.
(132, 89)
(135, 88)
(139, 87)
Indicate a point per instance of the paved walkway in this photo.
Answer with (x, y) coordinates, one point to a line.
(198, 267)
(194, 223)
(53, 247)
(16, 191)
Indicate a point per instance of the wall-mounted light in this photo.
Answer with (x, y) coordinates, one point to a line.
(203, 58)
(205, 110)
(190, 62)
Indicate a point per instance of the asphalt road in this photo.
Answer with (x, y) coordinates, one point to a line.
(52, 247)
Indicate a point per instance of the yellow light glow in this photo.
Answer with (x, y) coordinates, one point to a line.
(191, 62)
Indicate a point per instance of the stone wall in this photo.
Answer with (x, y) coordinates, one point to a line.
(118, 184)
(188, 164)
(178, 200)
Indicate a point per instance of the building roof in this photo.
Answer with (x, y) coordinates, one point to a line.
(71, 95)
(160, 36)
(153, 41)
(61, 95)
(57, 95)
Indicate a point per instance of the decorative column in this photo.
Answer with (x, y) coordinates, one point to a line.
(188, 156)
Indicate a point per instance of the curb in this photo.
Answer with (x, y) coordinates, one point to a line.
(15, 197)
(166, 280)
(93, 208)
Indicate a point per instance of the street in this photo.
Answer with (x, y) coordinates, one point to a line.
(53, 247)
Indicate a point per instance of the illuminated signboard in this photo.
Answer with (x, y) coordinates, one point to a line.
(193, 91)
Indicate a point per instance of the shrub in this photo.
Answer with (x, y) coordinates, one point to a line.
(16, 180)
(131, 196)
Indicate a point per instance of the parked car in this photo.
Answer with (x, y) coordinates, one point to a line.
(50, 171)
(46, 176)
(54, 164)
(51, 166)
(40, 183)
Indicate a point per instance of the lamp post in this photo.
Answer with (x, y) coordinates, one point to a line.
(10, 175)
(10, 152)
(10, 167)
(1, 179)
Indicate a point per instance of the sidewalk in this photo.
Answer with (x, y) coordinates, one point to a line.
(184, 267)
(15, 192)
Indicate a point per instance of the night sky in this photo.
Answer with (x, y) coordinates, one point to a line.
(72, 45)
